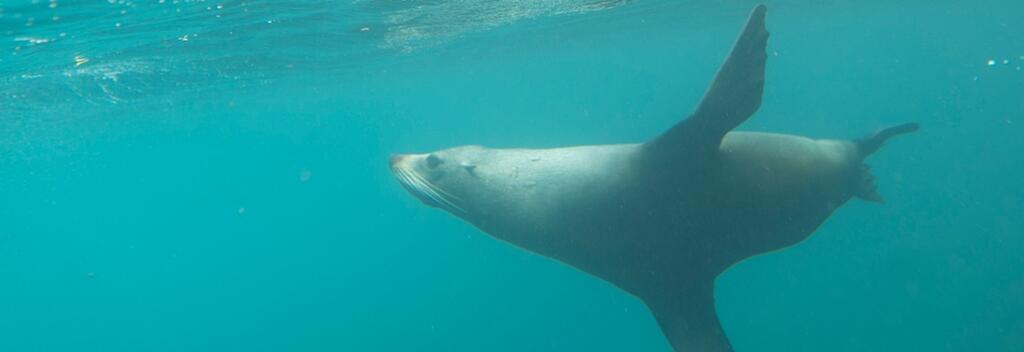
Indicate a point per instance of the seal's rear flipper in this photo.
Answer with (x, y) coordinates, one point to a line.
(870, 143)
(867, 189)
(733, 97)
(688, 319)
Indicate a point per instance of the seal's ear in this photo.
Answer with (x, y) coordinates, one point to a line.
(734, 96)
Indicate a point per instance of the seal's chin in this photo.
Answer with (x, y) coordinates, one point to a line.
(427, 192)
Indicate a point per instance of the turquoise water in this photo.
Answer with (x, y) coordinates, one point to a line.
(212, 176)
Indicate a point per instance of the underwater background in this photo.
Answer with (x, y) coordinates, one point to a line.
(184, 175)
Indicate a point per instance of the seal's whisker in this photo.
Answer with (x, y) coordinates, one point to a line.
(449, 203)
(439, 189)
(403, 178)
(416, 185)
(436, 193)
(410, 181)
(440, 199)
(433, 187)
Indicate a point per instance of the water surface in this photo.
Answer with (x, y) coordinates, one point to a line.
(209, 176)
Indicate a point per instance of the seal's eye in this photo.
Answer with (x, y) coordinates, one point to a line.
(433, 161)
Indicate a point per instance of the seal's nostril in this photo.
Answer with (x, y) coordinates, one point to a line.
(395, 159)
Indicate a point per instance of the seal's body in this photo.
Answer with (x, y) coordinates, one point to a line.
(659, 219)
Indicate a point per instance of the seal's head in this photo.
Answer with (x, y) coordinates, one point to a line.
(449, 179)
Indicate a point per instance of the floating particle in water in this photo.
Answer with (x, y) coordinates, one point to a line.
(241, 210)
(991, 62)
(32, 40)
(364, 29)
(90, 275)
(80, 60)
(1006, 62)
(183, 38)
(305, 175)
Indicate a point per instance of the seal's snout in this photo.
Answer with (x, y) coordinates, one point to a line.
(395, 159)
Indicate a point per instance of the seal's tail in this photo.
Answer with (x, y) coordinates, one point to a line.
(866, 188)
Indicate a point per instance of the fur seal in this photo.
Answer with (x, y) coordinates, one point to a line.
(661, 219)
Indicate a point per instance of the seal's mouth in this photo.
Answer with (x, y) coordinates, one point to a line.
(426, 191)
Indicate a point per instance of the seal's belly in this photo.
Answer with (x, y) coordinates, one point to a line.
(785, 186)
(778, 164)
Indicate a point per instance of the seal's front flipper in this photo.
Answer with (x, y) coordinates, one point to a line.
(687, 318)
(733, 97)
